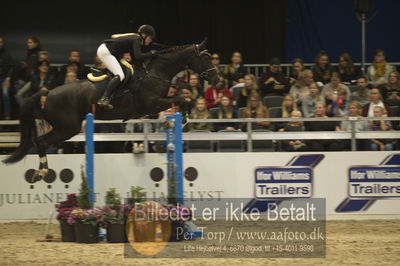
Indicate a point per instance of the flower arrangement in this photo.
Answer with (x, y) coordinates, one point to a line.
(64, 208)
(85, 216)
(114, 216)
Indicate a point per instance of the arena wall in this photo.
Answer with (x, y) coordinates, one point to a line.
(212, 175)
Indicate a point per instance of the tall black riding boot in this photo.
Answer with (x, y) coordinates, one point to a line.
(105, 100)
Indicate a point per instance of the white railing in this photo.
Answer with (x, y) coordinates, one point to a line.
(248, 136)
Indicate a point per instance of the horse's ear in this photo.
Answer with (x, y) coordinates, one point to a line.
(202, 45)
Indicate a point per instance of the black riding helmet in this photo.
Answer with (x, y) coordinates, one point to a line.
(147, 30)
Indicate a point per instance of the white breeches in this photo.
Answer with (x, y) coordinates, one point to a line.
(110, 61)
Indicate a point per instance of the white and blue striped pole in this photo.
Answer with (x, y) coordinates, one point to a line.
(89, 131)
(175, 158)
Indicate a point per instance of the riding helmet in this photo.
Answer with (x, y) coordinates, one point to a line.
(147, 30)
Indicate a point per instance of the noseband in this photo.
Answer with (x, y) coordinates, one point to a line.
(204, 74)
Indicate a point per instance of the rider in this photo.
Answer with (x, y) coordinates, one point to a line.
(111, 50)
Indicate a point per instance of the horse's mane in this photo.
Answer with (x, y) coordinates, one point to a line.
(172, 49)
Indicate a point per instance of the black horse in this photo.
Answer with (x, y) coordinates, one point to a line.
(66, 106)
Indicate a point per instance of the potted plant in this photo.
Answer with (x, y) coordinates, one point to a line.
(136, 195)
(64, 209)
(114, 216)
(86, 222)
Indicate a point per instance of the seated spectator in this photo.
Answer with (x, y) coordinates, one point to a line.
(273, 82)
(355, 110)
(294, 145)
(226, 110)
(250, 86)
(30, 64)
(44, 55)
(361, 95)
(391, 91)
(338, 104)
(382, 125)
(70, 77)
(213, 94)
(346, 69)
(295, 70)
(322, 144)
(255, 109)
(43, 80)
(188, 101)
(330, 90)
(236, 66)
(322, 69)
(200, 111)
(375, 100)
(6, 67)
(82, 70)
(378, 72)
(301, 88)
(288, 106)
(308, 104)
(195, 86)
(216, 60)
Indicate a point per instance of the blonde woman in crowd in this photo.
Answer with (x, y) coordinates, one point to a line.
(308, 104)
(200, 111)
(378, 72)
(294, 145)
(255, 109)
(227, 111)
(250, 86)
(301, 89)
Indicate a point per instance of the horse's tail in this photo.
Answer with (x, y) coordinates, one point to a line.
(27, 128)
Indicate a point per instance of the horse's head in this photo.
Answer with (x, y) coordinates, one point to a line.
(201, 63)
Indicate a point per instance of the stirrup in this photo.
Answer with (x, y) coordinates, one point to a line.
(105, 103)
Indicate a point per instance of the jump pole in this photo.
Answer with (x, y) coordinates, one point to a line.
(174, 150)
(89, 143)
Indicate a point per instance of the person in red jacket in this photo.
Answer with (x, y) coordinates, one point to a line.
(213, 94)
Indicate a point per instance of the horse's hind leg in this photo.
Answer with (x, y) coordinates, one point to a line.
(55, 136)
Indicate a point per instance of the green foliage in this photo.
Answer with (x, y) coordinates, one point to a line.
(136, 195)
(84, 192)
(112, 198)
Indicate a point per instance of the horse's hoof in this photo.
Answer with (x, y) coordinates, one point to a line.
(40, 175)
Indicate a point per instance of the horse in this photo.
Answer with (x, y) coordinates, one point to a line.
(66, 106)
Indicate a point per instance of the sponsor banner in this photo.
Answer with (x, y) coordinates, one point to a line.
(283, 182)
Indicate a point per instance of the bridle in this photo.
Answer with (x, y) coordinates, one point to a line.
(205, 73)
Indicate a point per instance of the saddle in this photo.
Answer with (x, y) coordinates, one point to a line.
(131, 83)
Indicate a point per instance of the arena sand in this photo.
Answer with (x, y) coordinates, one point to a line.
(371, 242)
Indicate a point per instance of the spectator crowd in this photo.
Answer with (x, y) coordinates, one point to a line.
(320, 91)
